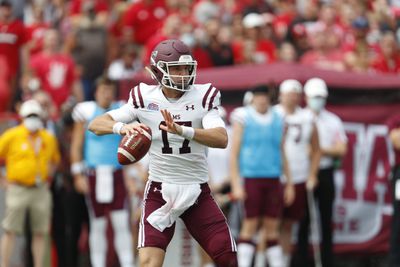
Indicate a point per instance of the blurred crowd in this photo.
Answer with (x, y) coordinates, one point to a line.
(62, 46)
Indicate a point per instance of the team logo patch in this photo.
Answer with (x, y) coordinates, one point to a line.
(153, 106)
(190, 107)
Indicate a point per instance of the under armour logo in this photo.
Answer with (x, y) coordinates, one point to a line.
(156, 189)
(190, 107)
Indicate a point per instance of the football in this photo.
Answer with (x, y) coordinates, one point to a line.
(134, 147)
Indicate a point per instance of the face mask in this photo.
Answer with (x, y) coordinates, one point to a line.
(316, 103)
(33, 124)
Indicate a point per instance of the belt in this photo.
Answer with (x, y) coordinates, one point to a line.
(26, 185)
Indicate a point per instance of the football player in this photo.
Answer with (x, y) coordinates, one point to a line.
(303, 154)
(99, 176)
(259, 158)
(184, 121)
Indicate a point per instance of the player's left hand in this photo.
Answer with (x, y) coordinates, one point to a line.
(289, 194)
(170, 126)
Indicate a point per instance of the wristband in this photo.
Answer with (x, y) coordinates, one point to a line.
(117, 127)
(77, 168)
(187, 132)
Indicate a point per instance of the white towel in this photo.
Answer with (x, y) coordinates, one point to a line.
(178, 198)
(104, 184)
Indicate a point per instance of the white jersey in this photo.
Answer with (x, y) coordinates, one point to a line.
(330, 131)
(218, 162)
(174, 159)
(297, 142)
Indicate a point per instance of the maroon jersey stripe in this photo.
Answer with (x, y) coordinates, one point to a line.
(133, 96)
(210, 105)
(140, 97)
(206, 96)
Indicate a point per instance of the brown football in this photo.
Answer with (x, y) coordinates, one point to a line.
(134, 147)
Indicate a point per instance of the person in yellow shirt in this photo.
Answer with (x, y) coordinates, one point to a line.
(31, 156)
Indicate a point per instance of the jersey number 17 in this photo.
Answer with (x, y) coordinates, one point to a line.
(184, 149)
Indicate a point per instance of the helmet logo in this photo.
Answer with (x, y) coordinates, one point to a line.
(185, 58)
(153, 56)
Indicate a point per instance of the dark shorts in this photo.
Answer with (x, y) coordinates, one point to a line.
(119, 196)
(297, 210)
(204, 220)
(264, 197)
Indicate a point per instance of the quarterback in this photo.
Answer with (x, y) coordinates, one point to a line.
(184, 121)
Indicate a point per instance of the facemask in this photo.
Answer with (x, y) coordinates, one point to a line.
(316, 103)
(33, 124)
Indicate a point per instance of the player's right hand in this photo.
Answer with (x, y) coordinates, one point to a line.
(81, 184)
(131, 128)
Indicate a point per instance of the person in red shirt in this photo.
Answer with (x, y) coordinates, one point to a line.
(170, 30)
(12, 40)
(35, 31)
(55, 70)
(143, 18)
(77, 6)
(255, 29)
(4, 88)
(388, 57)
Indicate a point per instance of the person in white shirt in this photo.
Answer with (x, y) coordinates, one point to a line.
(333, 143)
(303, 154)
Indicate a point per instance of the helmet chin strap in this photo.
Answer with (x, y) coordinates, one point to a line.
(153, 76)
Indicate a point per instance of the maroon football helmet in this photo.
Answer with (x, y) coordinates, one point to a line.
(173, 53)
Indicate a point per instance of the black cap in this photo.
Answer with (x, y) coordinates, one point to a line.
(260, 89)
(5, 3)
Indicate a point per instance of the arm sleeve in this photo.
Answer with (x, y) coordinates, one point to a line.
(80, 112)
(238, 115)
(127, 113)
(341, 134)
(212, 120)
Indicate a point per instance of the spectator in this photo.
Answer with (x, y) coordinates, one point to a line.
(297, 36)
(333, 143)
(258, 131)
(4, 85)
(218, 45)
(287, 52)
(171, 29)
(88, 44)
(358, 53)
(31, 156)
(100, 7)
(324, 53)
(143, 18)
(393, 124)
(388, 56)
(129, 64)
(12, 40)
(36, 30)
(99, 176)
(205, 10)
(265, 50)
(55, 70)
